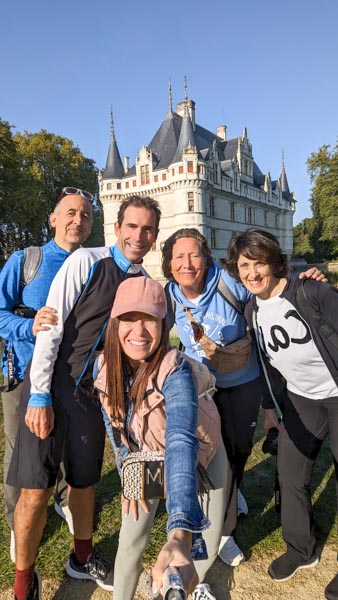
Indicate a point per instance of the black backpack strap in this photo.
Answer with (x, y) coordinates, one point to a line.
(229, 296)
(170, 306)
(31, 262)
(312, 316)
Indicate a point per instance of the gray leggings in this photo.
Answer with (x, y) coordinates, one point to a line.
(134, 536)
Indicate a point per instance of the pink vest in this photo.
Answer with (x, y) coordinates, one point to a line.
(150, 419)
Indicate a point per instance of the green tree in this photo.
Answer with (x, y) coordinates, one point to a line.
(40, 165)
(96, 237)
(302, 240)
(48, 163)
(9, 179)
(323, 171)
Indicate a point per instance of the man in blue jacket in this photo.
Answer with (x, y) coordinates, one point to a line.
(72, 220)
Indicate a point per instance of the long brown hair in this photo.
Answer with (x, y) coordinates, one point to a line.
(118, 366)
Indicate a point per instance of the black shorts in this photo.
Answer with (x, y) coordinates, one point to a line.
(77, 438)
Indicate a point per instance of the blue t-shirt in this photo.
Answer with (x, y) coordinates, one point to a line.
(221, 322)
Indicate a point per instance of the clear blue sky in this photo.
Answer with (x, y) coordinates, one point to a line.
(269, 65)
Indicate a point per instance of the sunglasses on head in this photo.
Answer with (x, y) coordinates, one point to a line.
(70, 191)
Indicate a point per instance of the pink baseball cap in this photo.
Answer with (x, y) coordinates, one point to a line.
(140, 294)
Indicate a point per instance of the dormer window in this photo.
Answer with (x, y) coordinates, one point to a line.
(215, 173)
(144, 170)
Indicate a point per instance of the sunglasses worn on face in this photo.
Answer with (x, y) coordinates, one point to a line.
(70, 191)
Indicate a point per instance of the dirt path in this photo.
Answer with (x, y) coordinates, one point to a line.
(249, 581)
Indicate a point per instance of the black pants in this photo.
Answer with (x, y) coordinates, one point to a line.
(238, 407)
(306, 424)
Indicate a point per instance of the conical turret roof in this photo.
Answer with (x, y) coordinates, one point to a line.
(114, 167)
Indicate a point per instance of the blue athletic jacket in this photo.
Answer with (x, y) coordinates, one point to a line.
(17, 331)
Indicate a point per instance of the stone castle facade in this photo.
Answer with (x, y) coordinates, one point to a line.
(201, 179)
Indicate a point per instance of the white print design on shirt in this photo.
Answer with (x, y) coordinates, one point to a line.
(288, 344)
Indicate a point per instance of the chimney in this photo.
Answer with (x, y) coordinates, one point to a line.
(126, 164)
(191, 108)
(221, 132)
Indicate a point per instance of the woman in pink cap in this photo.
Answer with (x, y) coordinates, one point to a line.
(155, 399)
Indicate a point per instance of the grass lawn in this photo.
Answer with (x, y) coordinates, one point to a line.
(260, 531)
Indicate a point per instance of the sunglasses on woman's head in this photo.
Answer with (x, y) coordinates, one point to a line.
(70, 191)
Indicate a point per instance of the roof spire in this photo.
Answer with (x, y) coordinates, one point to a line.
(112, 131)
(170, 97)
(185, 89)
(187, 137)
(114, 168)
(283, 178)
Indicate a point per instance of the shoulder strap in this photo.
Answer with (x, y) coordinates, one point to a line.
(31, 263)
(314, 317)
(229, 296)
(264, 369)
(170, 304)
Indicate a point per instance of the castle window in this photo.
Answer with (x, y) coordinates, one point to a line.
(212, 206)
(127, 184)
(249, 216)
(190, 165)
(118, 186)
(156, 178)
(265, 218)
(144, 174)
(213, 238)
(164, 176)
(173, 172)
(232, 211)
(134, 182)
(180, 169)
(191, 202)
(108, 186)
(215, 173)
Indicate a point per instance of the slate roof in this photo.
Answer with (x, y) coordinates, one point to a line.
(114, 167)
(174, 134)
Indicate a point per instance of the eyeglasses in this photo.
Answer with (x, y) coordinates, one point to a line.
(70, 191)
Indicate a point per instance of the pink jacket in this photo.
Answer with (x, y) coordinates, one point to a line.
(151, 415)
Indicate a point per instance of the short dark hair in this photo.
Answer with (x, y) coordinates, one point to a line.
(167, 248)
(257, 244)
(139, 202)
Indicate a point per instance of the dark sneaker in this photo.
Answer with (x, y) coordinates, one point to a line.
(36, 592)
(331, 590)
(96, 569)
(285, 567)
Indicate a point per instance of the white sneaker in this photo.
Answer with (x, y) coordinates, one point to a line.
(203, 592)
(64, 513)
(229, 552)
(242, 507)
(12, 547)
